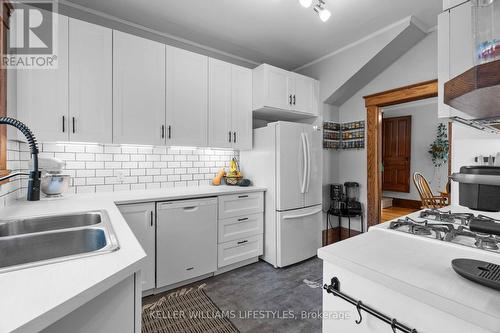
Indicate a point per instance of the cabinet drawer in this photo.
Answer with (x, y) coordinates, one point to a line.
(240, 204)
(239, 227)
(239, 250)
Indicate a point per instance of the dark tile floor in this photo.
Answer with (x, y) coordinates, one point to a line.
(279, 296)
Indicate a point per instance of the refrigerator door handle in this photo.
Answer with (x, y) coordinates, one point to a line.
(293, 217)
(304, 156)
(308, 146)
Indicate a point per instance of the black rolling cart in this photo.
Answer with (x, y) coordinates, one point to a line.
(344, 206)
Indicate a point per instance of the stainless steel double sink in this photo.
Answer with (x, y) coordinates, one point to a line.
(48, 239)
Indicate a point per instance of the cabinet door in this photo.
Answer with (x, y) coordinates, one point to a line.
(138, 90)
(141, 220)
(219, 111)
(187, 98)
(278, 93)
(303, 94)
(241, 105)
(90, 82)
(42, 94)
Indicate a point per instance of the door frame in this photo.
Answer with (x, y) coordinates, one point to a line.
(374, 104)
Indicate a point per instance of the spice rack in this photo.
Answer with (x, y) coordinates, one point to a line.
(344, 135)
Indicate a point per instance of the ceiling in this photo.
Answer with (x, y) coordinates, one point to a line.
(278, 32)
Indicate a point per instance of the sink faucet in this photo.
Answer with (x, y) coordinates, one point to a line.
(34, 175)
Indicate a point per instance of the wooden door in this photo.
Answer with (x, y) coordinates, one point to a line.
(90, 82)
(241, 106)
(396, 154)
(138, 90)
(187, 98)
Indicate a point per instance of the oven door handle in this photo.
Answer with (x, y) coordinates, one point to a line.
(476, 179)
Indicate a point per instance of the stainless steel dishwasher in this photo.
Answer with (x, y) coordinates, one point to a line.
(186, 240)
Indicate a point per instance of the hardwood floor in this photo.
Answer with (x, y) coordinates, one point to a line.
(395, 212)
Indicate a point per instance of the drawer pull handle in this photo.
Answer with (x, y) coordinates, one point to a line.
(189, 269)
(243, 219)
(242, 196)
(242, 242)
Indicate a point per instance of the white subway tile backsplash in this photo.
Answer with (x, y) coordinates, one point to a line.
(106, 168)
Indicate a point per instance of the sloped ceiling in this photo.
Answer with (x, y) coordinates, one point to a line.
(278, 32)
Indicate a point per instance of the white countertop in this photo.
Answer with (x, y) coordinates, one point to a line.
(33, 298)
(420, 268)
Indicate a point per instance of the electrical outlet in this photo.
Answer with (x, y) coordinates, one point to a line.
(120, 174)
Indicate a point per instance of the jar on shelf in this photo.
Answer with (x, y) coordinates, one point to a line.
(486, 30)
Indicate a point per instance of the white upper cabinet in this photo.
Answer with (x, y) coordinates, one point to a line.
(42, 94)
(90, 82)
(138, 90)
(303, 94)
(230, 106)
(186, 98)
(220, 131)
(276, 90)
(455, 50)
(241, 105)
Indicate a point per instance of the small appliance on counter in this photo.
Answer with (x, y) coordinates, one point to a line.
(479, 187)
(54, 181)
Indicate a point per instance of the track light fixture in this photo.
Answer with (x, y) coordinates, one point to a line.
(323, 13)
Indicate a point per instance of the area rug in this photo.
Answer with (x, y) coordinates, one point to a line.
(185, 311)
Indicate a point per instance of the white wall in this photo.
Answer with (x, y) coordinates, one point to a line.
(417, 65)
(469, 143)
(424, 122)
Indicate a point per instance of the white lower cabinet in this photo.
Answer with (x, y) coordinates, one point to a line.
(186, 240)
(241, 228)
(240, 205)
(114, 310)
(235, 251)
(238, 227)
(141, 220)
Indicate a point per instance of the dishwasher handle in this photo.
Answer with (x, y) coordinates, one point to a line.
(186, 205)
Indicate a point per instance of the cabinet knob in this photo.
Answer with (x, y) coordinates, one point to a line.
(64, 124)
(242, 242)
(229, 136)
(234, 137)
(74, 124)
(290, 100)
(293, 99)
(169, 131)
(163, 131)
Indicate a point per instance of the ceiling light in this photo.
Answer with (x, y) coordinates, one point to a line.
(306, 3)
(324, 14)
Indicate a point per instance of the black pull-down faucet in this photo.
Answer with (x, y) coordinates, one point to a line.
(34, 175)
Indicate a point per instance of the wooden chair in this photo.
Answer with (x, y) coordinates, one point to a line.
(429, 200)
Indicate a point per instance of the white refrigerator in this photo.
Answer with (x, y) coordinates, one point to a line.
(287, 160)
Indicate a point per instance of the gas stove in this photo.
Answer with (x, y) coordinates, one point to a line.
(449, 227)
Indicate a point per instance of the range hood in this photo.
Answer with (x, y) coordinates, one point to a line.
(491, 125)
(476, 92)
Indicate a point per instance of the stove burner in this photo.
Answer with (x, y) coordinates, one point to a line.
(487, 243)
(448, 232)
(421, 231)
(448, 216)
